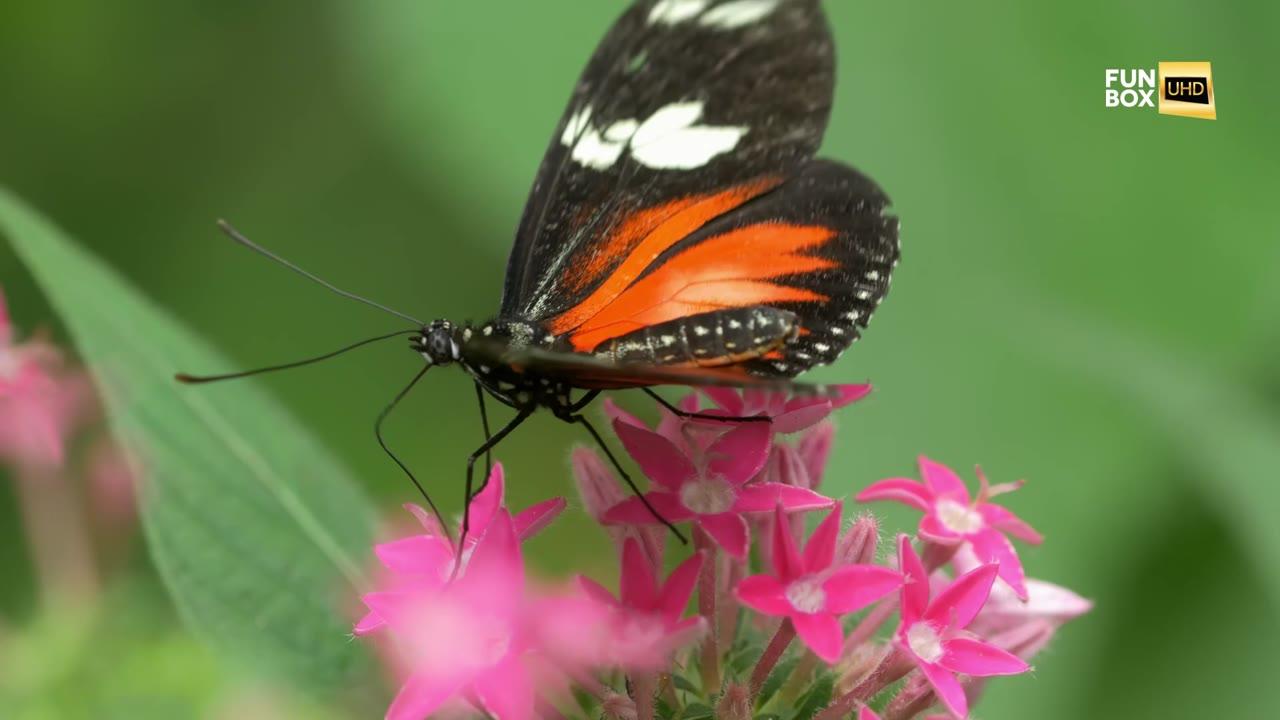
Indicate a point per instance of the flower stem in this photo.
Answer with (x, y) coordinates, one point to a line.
(769, 658)
(890, 669)
(645, 686)
(56, 534)
(728, 608)
(710, 661)
(870, 624)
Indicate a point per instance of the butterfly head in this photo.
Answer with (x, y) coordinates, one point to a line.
(437, 343)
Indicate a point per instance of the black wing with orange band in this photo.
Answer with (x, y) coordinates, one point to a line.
(678, 217)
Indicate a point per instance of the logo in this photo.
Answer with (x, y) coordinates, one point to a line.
(1186, 89)
(1179, 88)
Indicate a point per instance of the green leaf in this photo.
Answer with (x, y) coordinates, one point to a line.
(257, 530)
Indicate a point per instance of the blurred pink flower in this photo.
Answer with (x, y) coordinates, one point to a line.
(39, 399)
(648, 622)
(952, 517)
(932, 633)
(790, 413)
(1022, 627)
(815, 589)
(474, 637)
(427, 561)
(600, 490)
(866, 713)
(709, 487)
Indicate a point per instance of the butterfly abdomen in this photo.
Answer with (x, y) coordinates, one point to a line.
(713, 339)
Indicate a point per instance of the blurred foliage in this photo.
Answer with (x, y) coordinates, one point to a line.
(1088, 297)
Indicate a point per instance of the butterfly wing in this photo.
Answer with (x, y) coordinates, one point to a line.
(687, 110)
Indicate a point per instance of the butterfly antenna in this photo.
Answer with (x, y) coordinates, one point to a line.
(377, 431)
(197, 379)
(235, 235)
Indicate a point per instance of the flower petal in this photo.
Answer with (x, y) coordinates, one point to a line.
(728, 399)
(958, 603)
(487, 502)
(932, 529)
(678, 588)
(822, 633)
(993, 547)
(1002, 518)
(596, 591)
(765, 496)
(900, 490)
(980, 659)
(729, 531)
(506, 690)
(661, 461)
(947, 687)
(423, 694)
(740, 453)
(866, 713)
(496, 569)
(854, 587)
(614, 412)
(370, 623)
(820, 551)
(802, 413)
(425, 555)
(632, 511)
(915, 588)
(787, 562)
(764, 594)
(637, 586)
(533, 519)
(942, 480)
(849, 394)
(814, 448)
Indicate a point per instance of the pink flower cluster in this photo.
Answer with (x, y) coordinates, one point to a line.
(466, 630)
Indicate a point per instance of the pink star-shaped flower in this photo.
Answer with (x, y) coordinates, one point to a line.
(710, 487)
(932, 633)
(486, 638)
(790, 412)
(648, 622)
(814, 589)
(427, 561)
(39, 400)
(952, 517)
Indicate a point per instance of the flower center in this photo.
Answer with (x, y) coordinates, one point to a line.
(708, 496)
(806, 595)
(957, 517)
(924, 642)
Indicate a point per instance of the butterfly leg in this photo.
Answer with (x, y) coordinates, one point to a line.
(703, 416)
(582, 420)
(471, 464)
(377, 431)
(484, 420)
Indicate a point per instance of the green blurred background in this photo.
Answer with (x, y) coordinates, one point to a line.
(1088, 297)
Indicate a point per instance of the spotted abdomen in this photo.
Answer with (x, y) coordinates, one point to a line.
(723, 337)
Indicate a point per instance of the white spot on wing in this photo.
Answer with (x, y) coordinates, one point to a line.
(737, 14)
(672, 12)
(669, 139)
(577, 123)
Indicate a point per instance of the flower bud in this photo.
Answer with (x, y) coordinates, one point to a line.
(858, 544)
(735, 703)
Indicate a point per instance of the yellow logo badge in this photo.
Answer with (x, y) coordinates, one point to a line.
(1186, 89)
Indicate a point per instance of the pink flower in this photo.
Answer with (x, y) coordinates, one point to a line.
(790, 413)
(468, 637)
(932, 632)
(600, 490)
(39, 400)
(427, 561)
(1023, 627)
(707, 486)
(951, 517)
(815, 589)
(866, 713)
(649, 620)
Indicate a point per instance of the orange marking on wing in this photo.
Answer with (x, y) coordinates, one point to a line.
(726, 271)
(691, 214)
(594, 260)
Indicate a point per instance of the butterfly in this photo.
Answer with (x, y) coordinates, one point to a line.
(680, 229)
